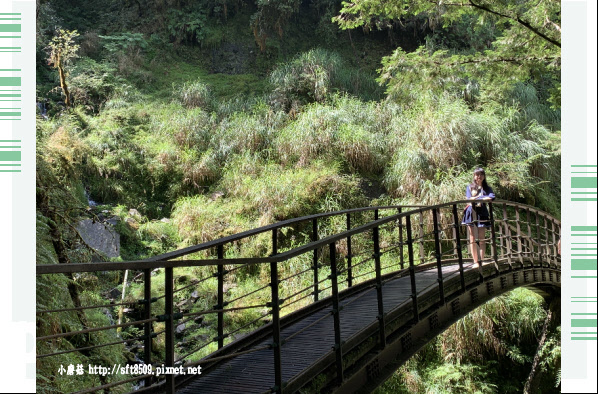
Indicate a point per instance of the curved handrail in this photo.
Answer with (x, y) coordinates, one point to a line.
(270, 227)
(164, 260)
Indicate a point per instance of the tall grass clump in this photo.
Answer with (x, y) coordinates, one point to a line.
(359, 83)
(190, 129)
(241, 103)
(313, 76)
(272, 192)
(200, 219)
(307, 78)
(254, 193)
(194, 94)
(346, 131)
(241, 132)
(533, 106)
(362, 151)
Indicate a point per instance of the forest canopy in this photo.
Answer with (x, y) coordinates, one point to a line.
(509, 41)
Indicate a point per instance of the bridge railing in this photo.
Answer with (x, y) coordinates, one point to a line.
(304, 267)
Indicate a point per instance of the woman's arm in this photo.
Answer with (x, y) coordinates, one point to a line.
(468, 196)
(490, 194)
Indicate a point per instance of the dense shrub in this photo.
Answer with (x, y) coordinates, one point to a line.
(315, 75)
(93, 83)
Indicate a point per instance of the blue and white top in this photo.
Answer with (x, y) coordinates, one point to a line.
(481, 210)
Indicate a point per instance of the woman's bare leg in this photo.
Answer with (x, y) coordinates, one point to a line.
(482, 237)
(473, 249)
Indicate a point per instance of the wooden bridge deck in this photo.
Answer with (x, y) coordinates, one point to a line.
(254, 372)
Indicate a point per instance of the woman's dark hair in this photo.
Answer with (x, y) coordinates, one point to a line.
(478, 171)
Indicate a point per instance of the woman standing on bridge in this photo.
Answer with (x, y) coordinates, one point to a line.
(476, 224)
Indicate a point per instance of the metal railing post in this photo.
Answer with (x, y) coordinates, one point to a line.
(349, 254)
(502, 240)
(507, 234)
(539, 238)
(459, 251)
(314, 238)
(493, 236)
(336, 315)
(276, 342)
(529, 237)
(546, 247)
(476, 248)
(519, 236)
(412, 268)
(380, 317)
(554, 243)
(169, 326)
(422, 252)
(437, 249)
(220, 306)
(401, 258)
(147, 327)
(558, 233)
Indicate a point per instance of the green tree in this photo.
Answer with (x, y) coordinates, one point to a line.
(271, 16)
(527, 44)
(61, 50)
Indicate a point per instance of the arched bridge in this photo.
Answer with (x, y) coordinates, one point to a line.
(329, 302)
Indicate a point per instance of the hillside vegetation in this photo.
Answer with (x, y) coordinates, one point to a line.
(210, 118)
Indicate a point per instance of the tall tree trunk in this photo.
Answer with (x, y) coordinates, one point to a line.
(63, 85)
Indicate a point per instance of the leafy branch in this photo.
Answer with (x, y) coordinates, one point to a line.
(518, 19)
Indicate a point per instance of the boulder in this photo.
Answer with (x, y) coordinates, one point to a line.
(100, 236)
(134, 213)
(113, 220)
(132, 223)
